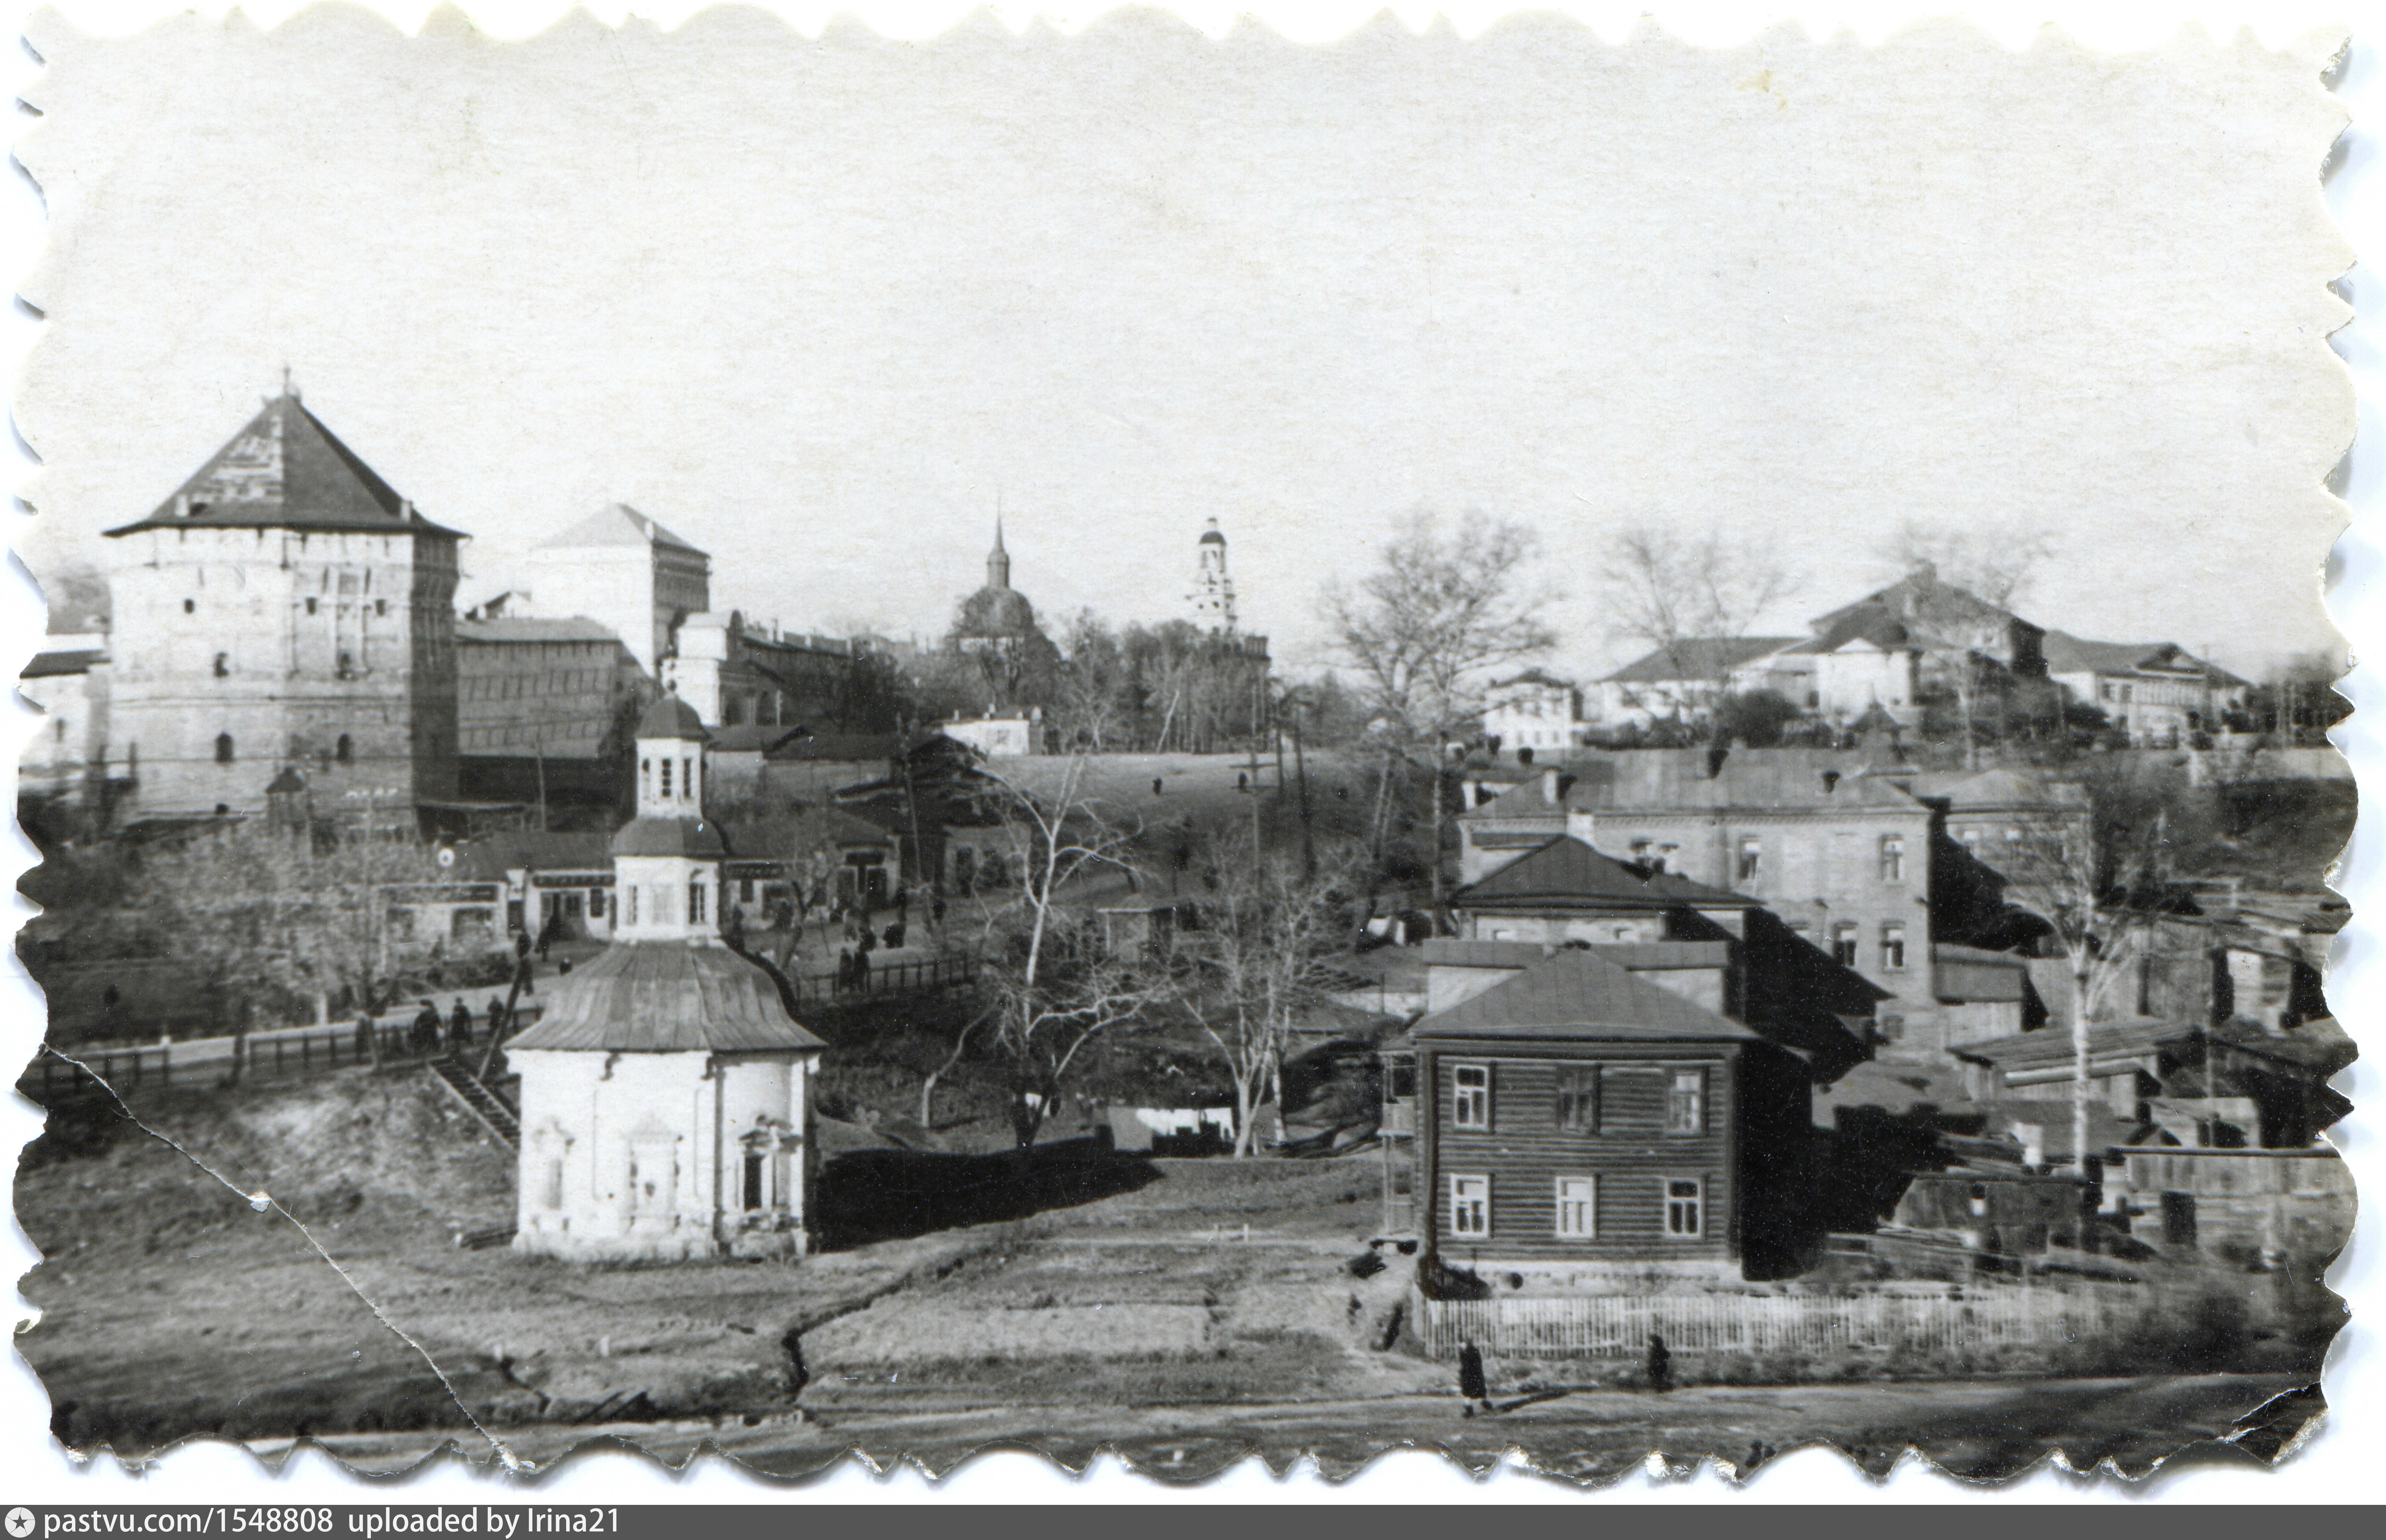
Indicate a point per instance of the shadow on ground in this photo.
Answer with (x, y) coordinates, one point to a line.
(887, 1195)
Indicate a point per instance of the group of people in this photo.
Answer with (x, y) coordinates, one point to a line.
(429, 1032)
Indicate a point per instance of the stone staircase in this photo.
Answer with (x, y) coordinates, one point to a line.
(496, 1113)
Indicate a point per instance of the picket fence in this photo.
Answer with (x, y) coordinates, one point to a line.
(1617, 1325)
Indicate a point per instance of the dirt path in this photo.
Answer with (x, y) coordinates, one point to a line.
(1982, 1429)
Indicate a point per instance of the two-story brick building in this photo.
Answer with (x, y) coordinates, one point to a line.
(1852, 863)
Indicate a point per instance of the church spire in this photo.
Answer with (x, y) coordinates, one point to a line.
(998, 561)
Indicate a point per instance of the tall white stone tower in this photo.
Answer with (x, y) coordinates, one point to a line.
(284, 608)
(1213, 591)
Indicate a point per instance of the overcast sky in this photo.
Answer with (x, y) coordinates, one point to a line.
(820, 306)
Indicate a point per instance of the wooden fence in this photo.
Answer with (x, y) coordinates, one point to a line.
(892, 979)
(1621, 1325)
(280, 1054)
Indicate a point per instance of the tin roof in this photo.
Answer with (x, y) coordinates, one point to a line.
(665, 998)
(1579, 995)
(1566, 874)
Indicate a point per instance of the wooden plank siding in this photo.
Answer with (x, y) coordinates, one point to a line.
(1525, 1151)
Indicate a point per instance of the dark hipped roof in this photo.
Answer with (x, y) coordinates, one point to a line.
(1566, 874)
(1578, 995)
(286, 471)
(1637, 957)
(2066, 653)
(1696, 657)
(671, 717)
(491, 857)
(693, 837)
(665, 998)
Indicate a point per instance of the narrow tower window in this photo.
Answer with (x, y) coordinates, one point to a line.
(223, 748)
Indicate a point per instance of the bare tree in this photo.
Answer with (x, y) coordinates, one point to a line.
(1426, 630)
(1996, 562)
(2099, 883)
(1051, 988)
(1261, 952)
(1688, 595)
(271, 911)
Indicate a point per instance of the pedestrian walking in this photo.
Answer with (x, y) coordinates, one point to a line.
(497, 1017)
(426, 1029)
(894, 935)
(936, 911)
(866, 942)
(460, 1026)
(1661, 1364)
(364, 1035)
(1155, 785)
(843, 968)
(1472, 1388)
(861, 970)
(550, 932)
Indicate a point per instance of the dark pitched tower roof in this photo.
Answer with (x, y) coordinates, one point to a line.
(286, 471)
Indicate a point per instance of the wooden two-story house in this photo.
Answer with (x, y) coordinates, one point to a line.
(1578, 1122)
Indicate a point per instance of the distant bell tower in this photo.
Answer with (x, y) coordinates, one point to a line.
(1213, 591)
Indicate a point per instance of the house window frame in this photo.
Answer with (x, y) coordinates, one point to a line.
(1580, 1205)
(1474, 1097)
(1847, 943)
(1892, 947)
(1751, 859)
(1466, 1205)
(1577, 1103)
(1678, 1204)
(1892, 858)
(1687, 1087)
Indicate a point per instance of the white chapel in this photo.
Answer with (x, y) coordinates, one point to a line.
(666, 1105)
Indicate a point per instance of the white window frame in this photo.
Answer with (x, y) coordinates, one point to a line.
(1592, 1088)
(1477, 1095)
(1892, 947)
(1470, 1198)
(1696, 1199)
(1752, 858)
(1892, 858)
(1578, 1200)
(1697, 1077)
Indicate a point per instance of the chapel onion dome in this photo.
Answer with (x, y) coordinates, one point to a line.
(695, 839)
(671, 717)
(633, 998)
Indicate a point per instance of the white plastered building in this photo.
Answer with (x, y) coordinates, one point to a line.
(666, 1090)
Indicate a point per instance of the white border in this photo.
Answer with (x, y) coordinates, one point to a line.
(2338, 1466)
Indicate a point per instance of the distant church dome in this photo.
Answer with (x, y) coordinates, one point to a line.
(997, 612)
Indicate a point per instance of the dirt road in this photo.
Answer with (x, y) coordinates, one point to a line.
(1979, 1428)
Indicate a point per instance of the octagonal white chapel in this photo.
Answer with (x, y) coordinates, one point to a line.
(666, 1105)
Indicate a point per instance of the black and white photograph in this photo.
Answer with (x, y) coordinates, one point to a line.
(1163, 744)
